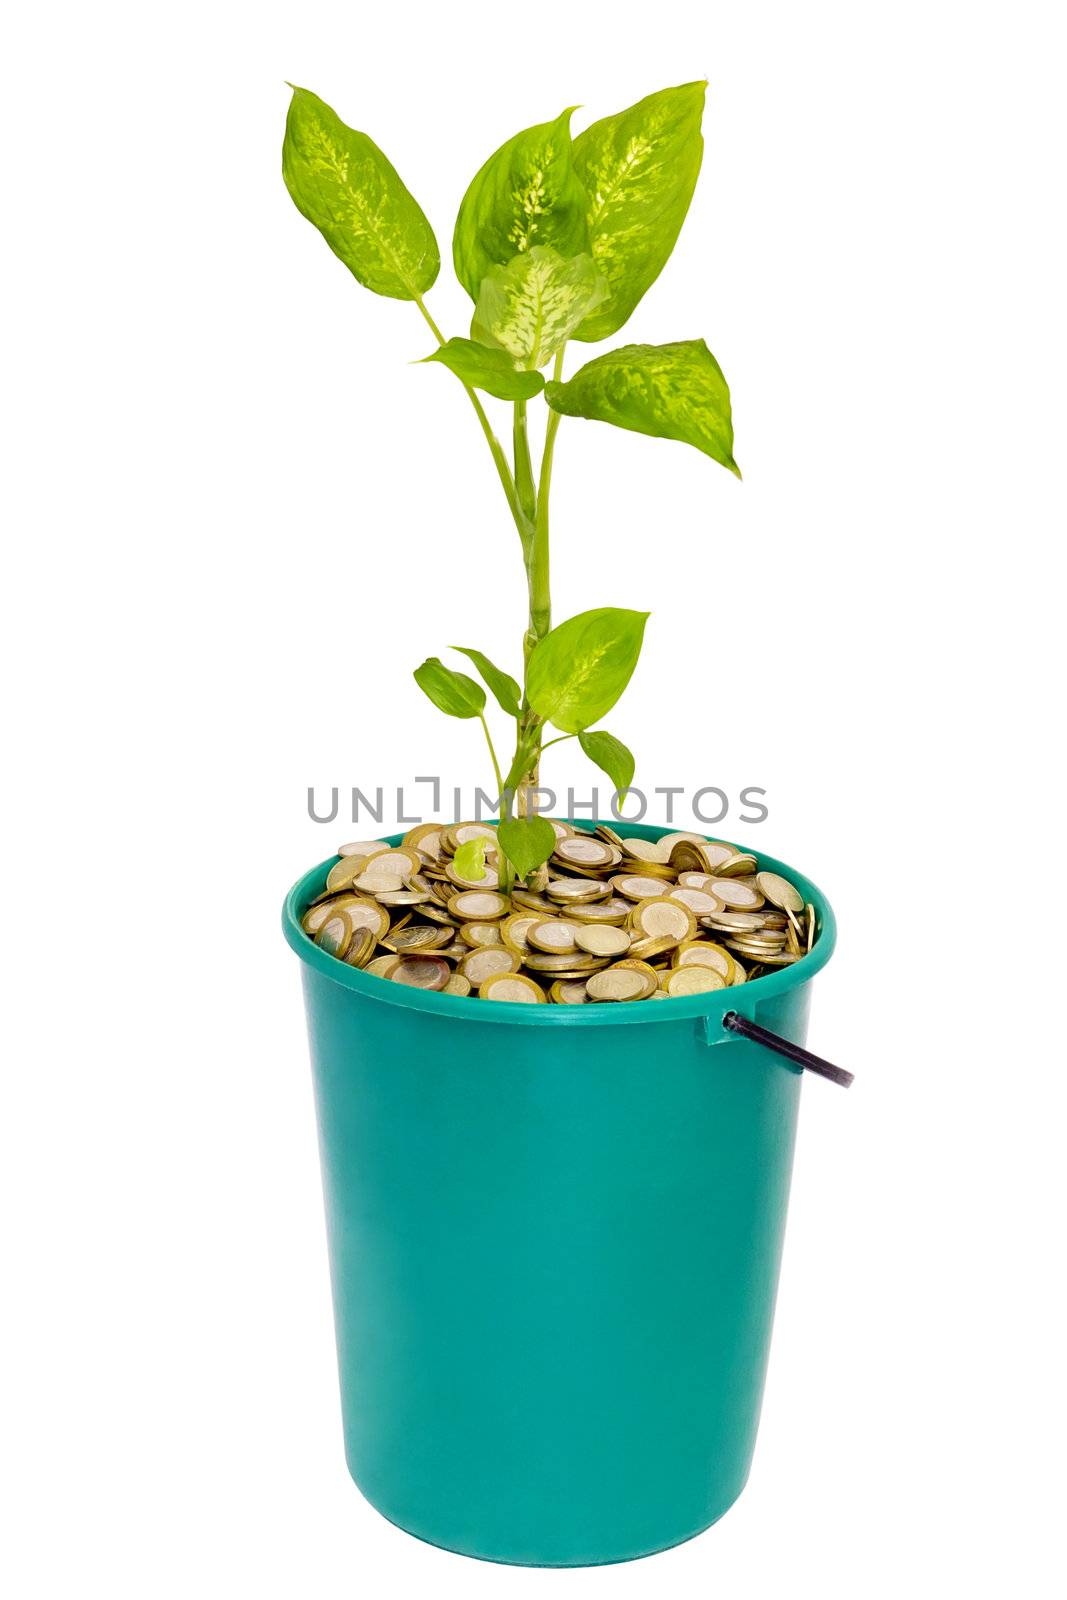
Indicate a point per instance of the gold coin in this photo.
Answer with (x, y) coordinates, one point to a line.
(738, 896)
(779, 892)
(477, 965)
(342, 874)
(616, 984)
(564, 962)
(739, 865)
(660, 917)
(513, 929)
(649, 949)
(568, 992)
(421, 972)
(479, 905)
(585, 851)
(576, 891)
(463, 832)
(693, 980)
(416, 937)
(363, 913)
(701, 902)
(382, 966)
(361, 947)
(602, 941)
(401, 897)
(530, 901)
(371, 847)
(667, 841)
(811, 927)
(457, 984)
(512, 987)
(733, 921)
(313, 920)
(335, 935)
(635, 886)
(553, 936)
(645, 850)
(698, 953)
(715, 853)
(377, 883)
(480, 934)
(425, 837)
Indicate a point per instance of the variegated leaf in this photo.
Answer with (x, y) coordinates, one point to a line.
(640, 169)
(342, 182)
(531, 307)
(671, 391)
(526, 194)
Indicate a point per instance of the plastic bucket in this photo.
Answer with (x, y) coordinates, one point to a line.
(554, 1237)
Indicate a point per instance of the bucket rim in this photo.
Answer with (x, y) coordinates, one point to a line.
(714, 1004)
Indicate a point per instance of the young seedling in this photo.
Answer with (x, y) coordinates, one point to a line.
(557, 239)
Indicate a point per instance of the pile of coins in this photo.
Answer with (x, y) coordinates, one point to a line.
(607, 918)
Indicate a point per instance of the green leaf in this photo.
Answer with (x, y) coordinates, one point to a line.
(579, 670)
(505, 689)
(451, 692)
(672, 391)
(527, 842)
(469, 859)
(611, 756)
(640, 169)
(491, 370)
(342, 182)
(528, 193)
(531, 306)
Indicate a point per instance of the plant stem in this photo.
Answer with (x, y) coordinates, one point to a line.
(522, 522)
(540, 593)
(524, 482)
(492, 755)
(538, 579)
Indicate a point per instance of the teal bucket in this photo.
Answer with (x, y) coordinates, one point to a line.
(554, 1236)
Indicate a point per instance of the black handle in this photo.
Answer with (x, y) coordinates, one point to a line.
(785, 1047)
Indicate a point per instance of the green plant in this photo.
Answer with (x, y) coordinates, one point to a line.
(557, 239)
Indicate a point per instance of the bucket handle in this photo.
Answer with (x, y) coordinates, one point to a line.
(802, 1059)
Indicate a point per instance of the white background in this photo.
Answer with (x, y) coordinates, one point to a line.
(238, 517)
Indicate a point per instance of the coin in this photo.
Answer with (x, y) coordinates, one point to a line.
(554, 936)
(477, 965)
(637, 887)
(360, 947)
(779, 891)
(664, 918)
(577, 891)
(585, 852)
(421, 972)
(513, 987)
(698, 953)
(701, 902)
(479, 905)
(602, 941)
(693, 980)
(568, 992)
(335, 935)
(738, 896)
(382, 966)
(417, 937)
(616, 984)
(607, 918)
(513, 930)
(480, 934)
(645, 850)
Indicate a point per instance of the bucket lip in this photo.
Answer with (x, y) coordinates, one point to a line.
(715, 1003)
